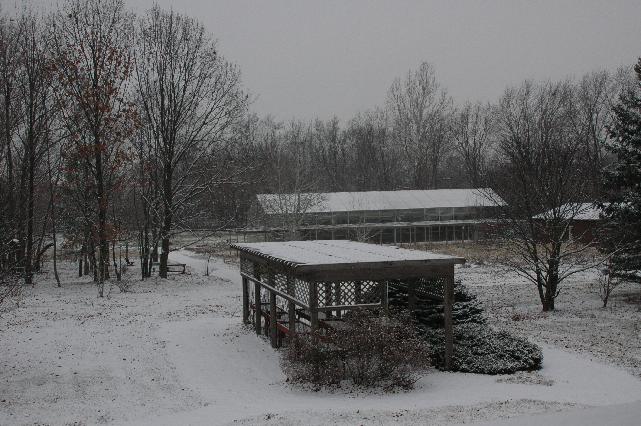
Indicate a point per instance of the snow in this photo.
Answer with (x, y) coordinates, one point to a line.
(579, 323)
(328, 252)
(575, 211)
(385, 200)
(174, 352)
(619, 414)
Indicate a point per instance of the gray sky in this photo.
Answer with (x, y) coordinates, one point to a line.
(338, 57)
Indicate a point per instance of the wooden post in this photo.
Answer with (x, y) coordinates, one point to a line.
(337, 288)
(313, 305)
(411, 296)
(257, 310)
(327, 288)
(273, 322)
(384, 301)
(291, 307)
(357, 292)
(448, 302)
(244, 284)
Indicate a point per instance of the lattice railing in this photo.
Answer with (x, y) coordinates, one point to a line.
(342, 293)
(336, 293)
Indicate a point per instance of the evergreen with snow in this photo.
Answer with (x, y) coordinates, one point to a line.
(478, 348)
(623, 181)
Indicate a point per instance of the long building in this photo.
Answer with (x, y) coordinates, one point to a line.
(406, 216)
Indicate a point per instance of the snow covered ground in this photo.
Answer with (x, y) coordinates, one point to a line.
(174, 352)
(579, 323)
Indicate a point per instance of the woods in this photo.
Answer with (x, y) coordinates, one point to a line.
(128, 130)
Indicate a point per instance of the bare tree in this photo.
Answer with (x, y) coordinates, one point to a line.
(294, 188)
(472, 135)
(189, 96)
(538, 176)
(9, 33)
(419, 109)
(93, 41)
(33, 86)
(373, 159)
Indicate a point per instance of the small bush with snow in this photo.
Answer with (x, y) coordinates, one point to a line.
(480, 349)
(370, 350)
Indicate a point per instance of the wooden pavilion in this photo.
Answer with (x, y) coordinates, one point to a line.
(303, 286)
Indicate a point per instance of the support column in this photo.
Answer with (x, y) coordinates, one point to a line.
(384, 301)
(411, 296)
(448, 302)
(327, 288)
(273, 322)
(313, 305)
(339, 301)
(291, 307)
(257, 310)
(244, 284)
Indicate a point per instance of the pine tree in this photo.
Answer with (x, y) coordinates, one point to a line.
(622, 234)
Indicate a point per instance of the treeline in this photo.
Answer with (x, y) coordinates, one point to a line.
(117, 128)
(420, 139)
(113, 128)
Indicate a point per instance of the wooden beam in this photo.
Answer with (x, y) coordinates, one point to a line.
(257, 308)
(348, 307)
(411, 298)
(291, 306)
(313, 305)
(337, 288)
(448, 302)
(245, 283)
(384, 304)
(273, 325)
(358, 272)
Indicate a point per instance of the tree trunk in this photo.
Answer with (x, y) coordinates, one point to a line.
(28, 261)
(167, 219)
(53, 233)
(80, 258)
(103, 245)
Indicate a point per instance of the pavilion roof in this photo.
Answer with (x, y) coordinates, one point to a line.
(340, 254)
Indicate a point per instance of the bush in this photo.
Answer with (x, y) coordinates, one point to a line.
(370, 350)
(306, 361)
(429, 311)
(477, 347)
(480, 349)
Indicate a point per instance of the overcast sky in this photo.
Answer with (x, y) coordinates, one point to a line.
(323, 58)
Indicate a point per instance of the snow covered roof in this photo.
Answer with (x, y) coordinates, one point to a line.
(576, 211)
(378, 200)
(339, 252)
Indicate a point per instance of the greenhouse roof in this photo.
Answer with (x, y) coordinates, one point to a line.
(377, 200)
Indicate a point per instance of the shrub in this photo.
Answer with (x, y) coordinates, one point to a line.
(429, 311)
(309, 361)
(477, 347)
(480, 349)
(370, 350)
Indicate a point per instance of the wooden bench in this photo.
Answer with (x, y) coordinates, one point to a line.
(172, 268)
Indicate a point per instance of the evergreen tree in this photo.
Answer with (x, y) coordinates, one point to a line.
(622, 234)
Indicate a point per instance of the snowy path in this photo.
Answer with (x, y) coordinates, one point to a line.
(238, 374)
